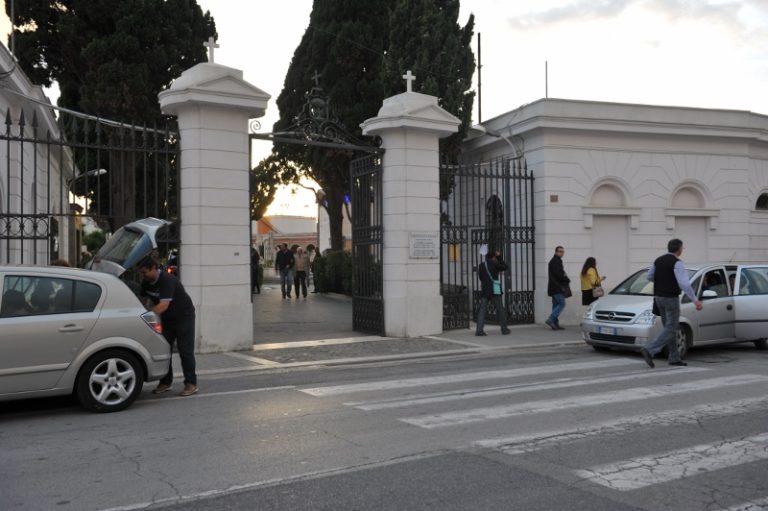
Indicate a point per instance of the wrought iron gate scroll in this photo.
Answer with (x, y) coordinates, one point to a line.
(486, 205)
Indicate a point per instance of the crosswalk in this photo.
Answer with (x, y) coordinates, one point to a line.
(589, 404)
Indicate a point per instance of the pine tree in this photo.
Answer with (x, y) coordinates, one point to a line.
(111, 59)
(344, 44)
(361, 50)
(426, 38)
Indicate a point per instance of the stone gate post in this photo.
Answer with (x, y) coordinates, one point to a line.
(410, 126)
(213, 104)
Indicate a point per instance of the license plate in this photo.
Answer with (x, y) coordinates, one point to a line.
(608, 330)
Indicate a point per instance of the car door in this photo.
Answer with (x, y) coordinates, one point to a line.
(42, 331)
(716, 320)
(751, 302)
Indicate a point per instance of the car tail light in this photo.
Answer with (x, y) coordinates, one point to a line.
(151, 319)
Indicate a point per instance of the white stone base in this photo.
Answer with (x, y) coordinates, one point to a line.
(226, 327)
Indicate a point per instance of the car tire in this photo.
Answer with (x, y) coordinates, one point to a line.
(109, 381)
(761, 344)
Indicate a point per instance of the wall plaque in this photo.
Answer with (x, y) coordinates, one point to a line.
(424, 245)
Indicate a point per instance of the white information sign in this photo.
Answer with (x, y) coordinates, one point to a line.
(424, 245)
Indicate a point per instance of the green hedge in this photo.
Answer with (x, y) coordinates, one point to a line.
(333, 273)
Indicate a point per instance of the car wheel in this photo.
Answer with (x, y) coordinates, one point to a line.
(761, 344)
(109, 381)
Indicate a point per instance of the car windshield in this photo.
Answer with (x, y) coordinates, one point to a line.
(638, 284)
(125, 247)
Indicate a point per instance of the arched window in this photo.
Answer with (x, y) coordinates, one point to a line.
(762, 202)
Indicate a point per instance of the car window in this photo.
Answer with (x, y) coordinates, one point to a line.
(754, 281)
(123, 245)
(25, 295)
(638, 284)
(715, 280)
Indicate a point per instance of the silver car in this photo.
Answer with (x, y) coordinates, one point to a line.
(735, 309)
(72, 331)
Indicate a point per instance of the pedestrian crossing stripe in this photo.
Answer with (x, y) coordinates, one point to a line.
(602, 398)
(352, 388)
(518, 444)
(640, 472)
(440, 397)
(755, 505)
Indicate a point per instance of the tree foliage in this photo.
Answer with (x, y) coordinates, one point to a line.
(361, 50)
(344, 43)
(426, 38)
(110, 58)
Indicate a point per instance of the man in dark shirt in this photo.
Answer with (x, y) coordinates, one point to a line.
(283, 264)
(557, 284)
(174, 306)
(669, 278)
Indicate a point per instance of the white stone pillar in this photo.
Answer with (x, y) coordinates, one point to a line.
(213, 104)
(410, 126)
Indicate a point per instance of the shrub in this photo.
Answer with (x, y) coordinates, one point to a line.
(333, 273)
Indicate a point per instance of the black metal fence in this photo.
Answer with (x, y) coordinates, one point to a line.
(486, 206)
(367, 245)
(60, 181)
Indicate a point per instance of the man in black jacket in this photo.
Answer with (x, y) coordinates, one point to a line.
(669, 279)
(283, 264)
(491, 290)
(557, 285)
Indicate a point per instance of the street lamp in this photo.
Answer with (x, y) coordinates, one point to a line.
(87, 174)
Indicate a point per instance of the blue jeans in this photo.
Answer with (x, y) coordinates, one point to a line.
(669, 309)
(501, 314)
(286, 281)
(558, 304)
(183, 333)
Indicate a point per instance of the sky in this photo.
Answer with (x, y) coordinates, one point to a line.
(695, 53)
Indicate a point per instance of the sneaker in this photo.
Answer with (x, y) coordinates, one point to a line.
(189, 389)
(161, 388)
(550, 324)
(506, 332)
(480, 334)
(678, 363)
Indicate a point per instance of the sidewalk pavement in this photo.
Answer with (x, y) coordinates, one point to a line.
(317, 331)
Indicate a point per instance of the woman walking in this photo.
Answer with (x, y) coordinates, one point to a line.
(591, 282)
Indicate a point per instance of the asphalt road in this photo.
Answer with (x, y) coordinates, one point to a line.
(565, 428)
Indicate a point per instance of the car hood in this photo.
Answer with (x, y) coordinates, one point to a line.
(128, 245)
(635, 304)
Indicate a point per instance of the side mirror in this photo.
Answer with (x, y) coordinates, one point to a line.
(708, 294)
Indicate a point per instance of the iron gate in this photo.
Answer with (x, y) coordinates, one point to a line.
(487, 205)
(367, 245)
(58, 179)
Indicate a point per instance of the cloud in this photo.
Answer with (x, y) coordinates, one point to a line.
(570, 12)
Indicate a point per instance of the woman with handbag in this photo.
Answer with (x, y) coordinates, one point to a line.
(591, 282)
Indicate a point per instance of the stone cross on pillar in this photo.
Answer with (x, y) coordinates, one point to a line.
(316, 78)
(409, 78)
(211, 44)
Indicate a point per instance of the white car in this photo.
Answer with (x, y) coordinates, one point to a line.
(82, 332)
(735, 299)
